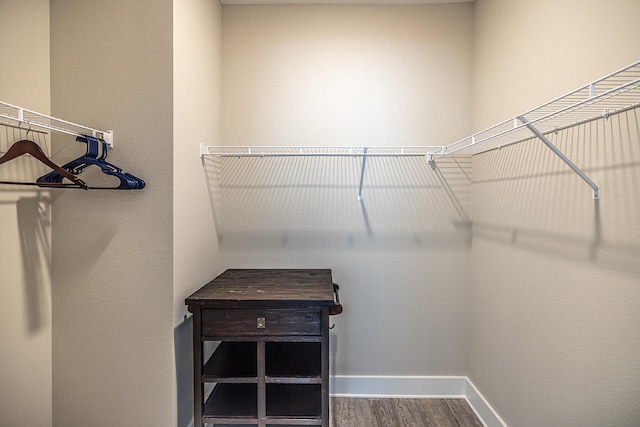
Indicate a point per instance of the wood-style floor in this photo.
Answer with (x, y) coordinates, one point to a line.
(404, 412)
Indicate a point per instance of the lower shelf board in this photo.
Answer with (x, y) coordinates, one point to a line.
(237, 404)
(232, 401)
(294, 401)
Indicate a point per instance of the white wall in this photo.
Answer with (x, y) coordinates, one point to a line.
(113, 354)
(359, 76)
(197, 47)
(25, 231)
(555, 323)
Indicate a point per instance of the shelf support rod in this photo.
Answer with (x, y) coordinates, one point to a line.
(364, 163)
(576, 169)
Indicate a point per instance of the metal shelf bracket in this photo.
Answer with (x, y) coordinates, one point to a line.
(364, 163)
(576, 169)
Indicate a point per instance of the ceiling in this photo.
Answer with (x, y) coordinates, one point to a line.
(342, 2)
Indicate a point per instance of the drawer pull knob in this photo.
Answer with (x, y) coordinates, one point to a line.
(261, 323)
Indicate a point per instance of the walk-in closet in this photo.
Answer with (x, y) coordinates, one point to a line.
(461, 175)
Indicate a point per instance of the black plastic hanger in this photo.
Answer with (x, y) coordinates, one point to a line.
(26, 146)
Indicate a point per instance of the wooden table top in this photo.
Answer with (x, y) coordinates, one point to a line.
(266, 287)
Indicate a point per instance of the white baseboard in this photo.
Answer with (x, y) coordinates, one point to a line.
(416, 386)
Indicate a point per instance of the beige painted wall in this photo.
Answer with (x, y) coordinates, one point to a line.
(555, 302)
(362, 75)
(552, 324)
(25, 231)
(354, 76)
(197, 46)
(532, 52)
(113, 361)
(27, 356)
(197, 98)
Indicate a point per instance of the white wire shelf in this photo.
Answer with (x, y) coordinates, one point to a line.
(22, 118)
(609, 95)
(329, 151)
(602, 98)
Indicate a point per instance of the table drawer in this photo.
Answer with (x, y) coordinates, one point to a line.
(257, 322)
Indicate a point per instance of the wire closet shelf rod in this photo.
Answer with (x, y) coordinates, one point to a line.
(29, 120)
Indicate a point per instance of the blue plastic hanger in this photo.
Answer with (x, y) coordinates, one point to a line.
(97, 157)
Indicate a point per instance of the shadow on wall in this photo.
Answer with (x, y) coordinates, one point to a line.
(211, 166)
(33, 223)
(313, 200)
(183, 345)
(32, 219)
(391, 251)
(526, 197)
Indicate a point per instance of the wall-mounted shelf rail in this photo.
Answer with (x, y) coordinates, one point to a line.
(23, 118)
(612, 94)
(333, 151)
(609, 95)
(328, 151)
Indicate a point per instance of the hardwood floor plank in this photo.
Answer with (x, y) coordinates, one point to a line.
(415, 412)
(351, 412)
(462, 412)
(421, 413)
(440, 413)
(384, 412)
(403, 412)
(408, 411)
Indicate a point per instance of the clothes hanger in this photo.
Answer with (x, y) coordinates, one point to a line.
(26, 146)
(96, 154)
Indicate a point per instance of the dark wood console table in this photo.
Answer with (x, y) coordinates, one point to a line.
(271, 366)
